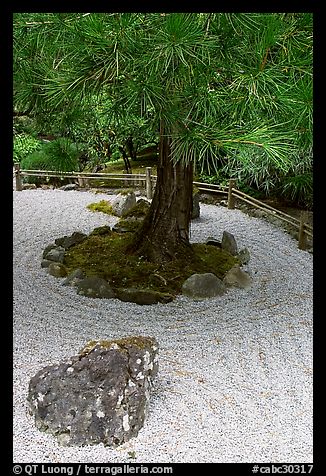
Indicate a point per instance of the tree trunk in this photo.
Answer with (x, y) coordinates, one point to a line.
(126, 160)
(130, 148)
(164, 234)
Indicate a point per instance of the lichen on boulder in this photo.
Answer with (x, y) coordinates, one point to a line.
(100, 395)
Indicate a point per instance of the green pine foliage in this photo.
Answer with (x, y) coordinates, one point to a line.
(233, 90)
(24, 145)
(60, 155)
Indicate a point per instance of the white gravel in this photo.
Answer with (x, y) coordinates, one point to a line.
(235, 378)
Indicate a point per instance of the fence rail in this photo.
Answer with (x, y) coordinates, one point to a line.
(149, 181)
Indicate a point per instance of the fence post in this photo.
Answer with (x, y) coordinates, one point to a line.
(302, 238)
(19, 183)
(83, 182)
(231, 203)
(149, 191)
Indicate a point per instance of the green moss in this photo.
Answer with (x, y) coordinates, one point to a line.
(107, 256)
(138, 211)
(214, 260)
(126, 191)
(102, 230)
(103, 206)
(130, 225)
(108, 183)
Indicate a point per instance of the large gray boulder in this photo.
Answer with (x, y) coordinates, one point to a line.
(98, 396)
(229, 243)
(238, 278)
(94, 287)
(205, 285)
(123, 203)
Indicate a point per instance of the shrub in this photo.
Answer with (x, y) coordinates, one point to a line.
(299, 189)
(24, 145)
(60, 155)
(291, 179)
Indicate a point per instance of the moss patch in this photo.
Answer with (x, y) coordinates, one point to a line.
(138, 211)
(102, 230)
(103, 206)
(126, 191)
(130, 225)
(106, 256)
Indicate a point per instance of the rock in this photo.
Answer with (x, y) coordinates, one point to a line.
(46, 187)
(47, 249)
(101, 230)
(69, 241)
(118, 228)
(100, 395)
(157, 280)
(244, 256)
(195, 206)
(56, 254)
(95, 287)
(126, 225)
(143, 201)
(275, 221)
(29, 186)
(208, 199)
(229, 244)
(123, 203)
(45, 263)
(57, 269)
(238, 278)
(213, 242)
(203, 286)
(142, 296)
(223, 203)
(259, 213)
(74, 278)
(69, 186)
(139, 210)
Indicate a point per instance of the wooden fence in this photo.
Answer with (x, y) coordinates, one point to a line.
(148, 181)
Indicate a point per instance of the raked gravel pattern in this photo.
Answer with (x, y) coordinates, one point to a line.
(235, 376)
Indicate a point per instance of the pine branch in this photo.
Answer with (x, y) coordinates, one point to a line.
(32, 23)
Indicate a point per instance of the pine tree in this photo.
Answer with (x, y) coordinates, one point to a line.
(215, 86)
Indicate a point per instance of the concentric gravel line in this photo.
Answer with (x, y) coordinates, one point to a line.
(235, 378)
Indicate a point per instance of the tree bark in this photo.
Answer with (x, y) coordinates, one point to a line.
(164, 234)
(130, 148)
(126, 160)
